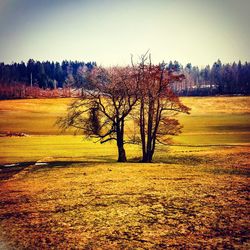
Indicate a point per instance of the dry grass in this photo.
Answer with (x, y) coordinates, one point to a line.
(194, 196)
(191, 201)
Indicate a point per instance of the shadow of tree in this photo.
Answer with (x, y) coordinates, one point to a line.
(177, 159)
(8, 170)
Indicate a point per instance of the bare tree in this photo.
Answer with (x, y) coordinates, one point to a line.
(158, 105)
(111, 95)
(101, 111)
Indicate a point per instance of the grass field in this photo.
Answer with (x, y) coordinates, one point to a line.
(194, 196)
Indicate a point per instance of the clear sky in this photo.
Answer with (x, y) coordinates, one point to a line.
(108, 31)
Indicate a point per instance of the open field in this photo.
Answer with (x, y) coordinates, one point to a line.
(194, 196)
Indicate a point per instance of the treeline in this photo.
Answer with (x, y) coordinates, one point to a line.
(44, 75)
(218, 79)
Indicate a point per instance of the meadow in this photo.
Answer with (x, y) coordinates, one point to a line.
(70, 193)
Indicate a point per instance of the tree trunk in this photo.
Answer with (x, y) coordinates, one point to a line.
(142, 130)
(147, 158)
(121, 154)
(120, 143)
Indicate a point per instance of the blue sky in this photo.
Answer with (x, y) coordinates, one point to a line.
(108, 31)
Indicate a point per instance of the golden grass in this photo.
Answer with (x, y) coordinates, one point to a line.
(32, 116)
(193, 201)
(194, 196)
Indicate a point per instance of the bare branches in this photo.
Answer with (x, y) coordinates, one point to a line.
(102, 111)
(143, 90)
(157, 102)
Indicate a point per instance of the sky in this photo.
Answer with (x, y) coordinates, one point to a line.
(109, 31)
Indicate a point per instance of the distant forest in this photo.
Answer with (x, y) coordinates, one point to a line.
(37, 79)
